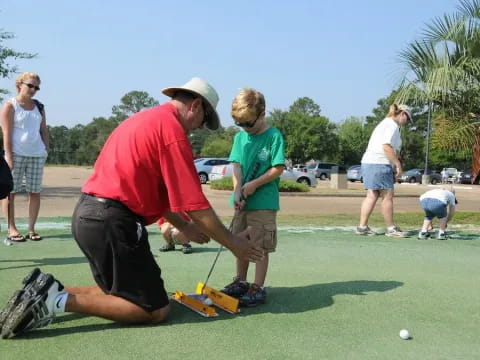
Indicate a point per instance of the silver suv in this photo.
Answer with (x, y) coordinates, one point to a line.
(321, 169)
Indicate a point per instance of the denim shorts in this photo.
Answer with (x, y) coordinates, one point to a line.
(377, 176)
(434, 208)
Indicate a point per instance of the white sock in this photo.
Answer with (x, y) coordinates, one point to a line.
(441, 232)
(424, 230)
(60, 302)
(391, 228)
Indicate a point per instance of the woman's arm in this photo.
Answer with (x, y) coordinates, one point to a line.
(7, 115)
(392, 157)
(44, 131)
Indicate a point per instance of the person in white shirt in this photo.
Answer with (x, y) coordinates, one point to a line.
(25, 141)
(438, 203)
(381, 167)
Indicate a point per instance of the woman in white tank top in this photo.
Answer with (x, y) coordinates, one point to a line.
(25, 142)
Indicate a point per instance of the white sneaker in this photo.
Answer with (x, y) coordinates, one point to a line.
(442, 236)
(365, 231)
(422, 235)
(396, 232)
(36, 308)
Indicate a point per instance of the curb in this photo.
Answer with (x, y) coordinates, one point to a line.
(342, 195)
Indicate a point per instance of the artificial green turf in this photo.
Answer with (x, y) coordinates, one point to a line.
(331, 295)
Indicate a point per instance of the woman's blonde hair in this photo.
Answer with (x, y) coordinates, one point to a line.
(24, 76)
(248, 105)
(394, 110)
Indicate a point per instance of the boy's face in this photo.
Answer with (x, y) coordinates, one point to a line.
(252, 126)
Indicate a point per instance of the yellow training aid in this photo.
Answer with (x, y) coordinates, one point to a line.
(194, 304)
(219, 299)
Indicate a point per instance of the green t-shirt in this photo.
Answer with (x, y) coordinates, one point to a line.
(256, 154)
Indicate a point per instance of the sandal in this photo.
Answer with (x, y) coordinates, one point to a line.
(16, 238)
(33, 236)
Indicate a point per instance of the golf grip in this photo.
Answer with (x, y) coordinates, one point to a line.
(253, 174)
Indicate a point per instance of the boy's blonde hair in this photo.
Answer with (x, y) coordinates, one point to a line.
(248, 105)
(24, 76)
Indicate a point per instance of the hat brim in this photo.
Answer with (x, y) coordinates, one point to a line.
(212, 118)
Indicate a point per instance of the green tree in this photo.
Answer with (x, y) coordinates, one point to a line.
(131, 103)
(305, 105)
(6, 54)
(353, 139)
(217, 148)
(443, 69)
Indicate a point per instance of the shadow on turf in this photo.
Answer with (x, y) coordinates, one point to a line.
(45, 261)
(290, 300)
(281, 300)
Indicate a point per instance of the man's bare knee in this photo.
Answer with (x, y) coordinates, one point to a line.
(160, 315)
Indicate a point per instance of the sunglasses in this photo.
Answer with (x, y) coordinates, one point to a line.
(247, 124)
(31, 86)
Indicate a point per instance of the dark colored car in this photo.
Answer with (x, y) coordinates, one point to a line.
(415, 176)
(466, 177)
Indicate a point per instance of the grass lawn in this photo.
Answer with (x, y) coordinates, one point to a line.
(331, 295)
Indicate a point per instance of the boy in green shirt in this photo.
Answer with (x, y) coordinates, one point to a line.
(258, 161)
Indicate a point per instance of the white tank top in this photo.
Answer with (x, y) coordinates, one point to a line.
(26, 139)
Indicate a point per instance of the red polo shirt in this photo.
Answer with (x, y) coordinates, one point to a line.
(147, 164)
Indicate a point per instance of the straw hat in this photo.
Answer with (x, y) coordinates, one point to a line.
(206, 91)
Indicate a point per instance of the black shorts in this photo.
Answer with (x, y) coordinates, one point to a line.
(115, 243)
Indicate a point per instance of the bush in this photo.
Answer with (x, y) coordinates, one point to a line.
(285, 185)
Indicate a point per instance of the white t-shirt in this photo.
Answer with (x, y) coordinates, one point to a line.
(445, 196)
(386, 132)
(26, 138)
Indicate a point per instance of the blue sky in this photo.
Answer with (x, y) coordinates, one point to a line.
(342, 54)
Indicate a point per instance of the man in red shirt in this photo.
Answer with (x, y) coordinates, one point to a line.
(144, 171)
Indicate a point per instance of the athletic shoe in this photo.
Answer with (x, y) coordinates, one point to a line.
(365, 230)
(255, 295)
(17, 296)
(396, 232)
(422, 235)
(167, 247)
(29, 314)
(11, 304)
(442, 236)
(187, 249)
(36, 308)
(236, 289)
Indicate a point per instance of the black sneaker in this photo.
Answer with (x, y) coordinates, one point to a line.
(35, 309)
(167, 247)
(187, 249)
(17, 296)
(255, 295)
(236, 289)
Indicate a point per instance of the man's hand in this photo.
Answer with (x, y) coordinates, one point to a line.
(245, 251)
(193, 233)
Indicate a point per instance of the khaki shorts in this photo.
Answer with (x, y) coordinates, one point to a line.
(264, 227)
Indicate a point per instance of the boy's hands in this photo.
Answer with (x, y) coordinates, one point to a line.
(245, 251)
(248, 188)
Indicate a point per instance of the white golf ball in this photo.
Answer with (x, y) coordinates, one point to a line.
(208, 301)
(404, 334)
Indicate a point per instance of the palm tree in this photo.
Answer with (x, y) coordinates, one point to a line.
(443, 69)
